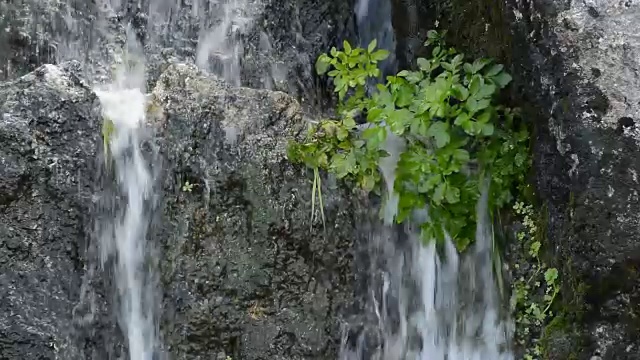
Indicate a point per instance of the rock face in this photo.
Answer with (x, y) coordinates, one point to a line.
(243, 274)
(575, 66)
(244, 271)
(48, 136)
(256, 43)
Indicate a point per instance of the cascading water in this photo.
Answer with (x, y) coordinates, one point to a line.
(431, 303)
(123, 238)
(220, 46)
(374, 22)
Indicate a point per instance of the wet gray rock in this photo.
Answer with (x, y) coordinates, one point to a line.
(588, 160)
(575, 66)
(256, 43)
(48, 135)
(245, 272)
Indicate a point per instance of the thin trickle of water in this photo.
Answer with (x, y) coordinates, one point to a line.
(220, 47)
(123, 240)
(394, 146)
(373, 18)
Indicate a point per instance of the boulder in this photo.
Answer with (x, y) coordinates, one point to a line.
(49, 129)
(245, 271)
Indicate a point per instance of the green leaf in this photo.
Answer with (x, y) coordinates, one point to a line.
(452, 195)
(342, 133)
(462, 119)
(475, 84)
(379, 55)
(404, 96)
(535, 248)
(479, 64)
(341, 166)
(486, 90)
(322, 65)
(461, 155)
(487, 129)
(485, 117)
(414, 77)
(447, 66)
(460, 92)
(371, 132)
(503, 79)
(403, 73)
(468, 68)
(368, 183)
(347, 47)
(551, 275)
(440, 132)
(439, 193)
(494, 70)
(424, 64)
(431, 182)
(374, 114)
(372, 45)
(348, 122)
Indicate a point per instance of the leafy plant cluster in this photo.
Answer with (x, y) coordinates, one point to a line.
(532, 294)
(456, 136)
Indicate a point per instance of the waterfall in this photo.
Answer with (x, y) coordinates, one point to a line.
(430, 303)
(220, 46)
(123, 239)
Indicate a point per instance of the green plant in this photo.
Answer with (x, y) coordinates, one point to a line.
(533, 294)
(456, 135)
(108, 130)
(187, 186)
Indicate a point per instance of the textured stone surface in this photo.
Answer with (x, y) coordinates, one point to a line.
(48, 137)
(243, 273)
(275, 42)
(575, 66)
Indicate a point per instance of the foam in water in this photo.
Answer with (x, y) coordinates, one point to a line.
(123, 242)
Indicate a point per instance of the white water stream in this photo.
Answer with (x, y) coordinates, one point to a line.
(124, 238)
(430, 304)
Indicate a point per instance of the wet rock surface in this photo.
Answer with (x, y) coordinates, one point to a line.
(255, 43)
(243, 273)
(48, 134)
(575, 67)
